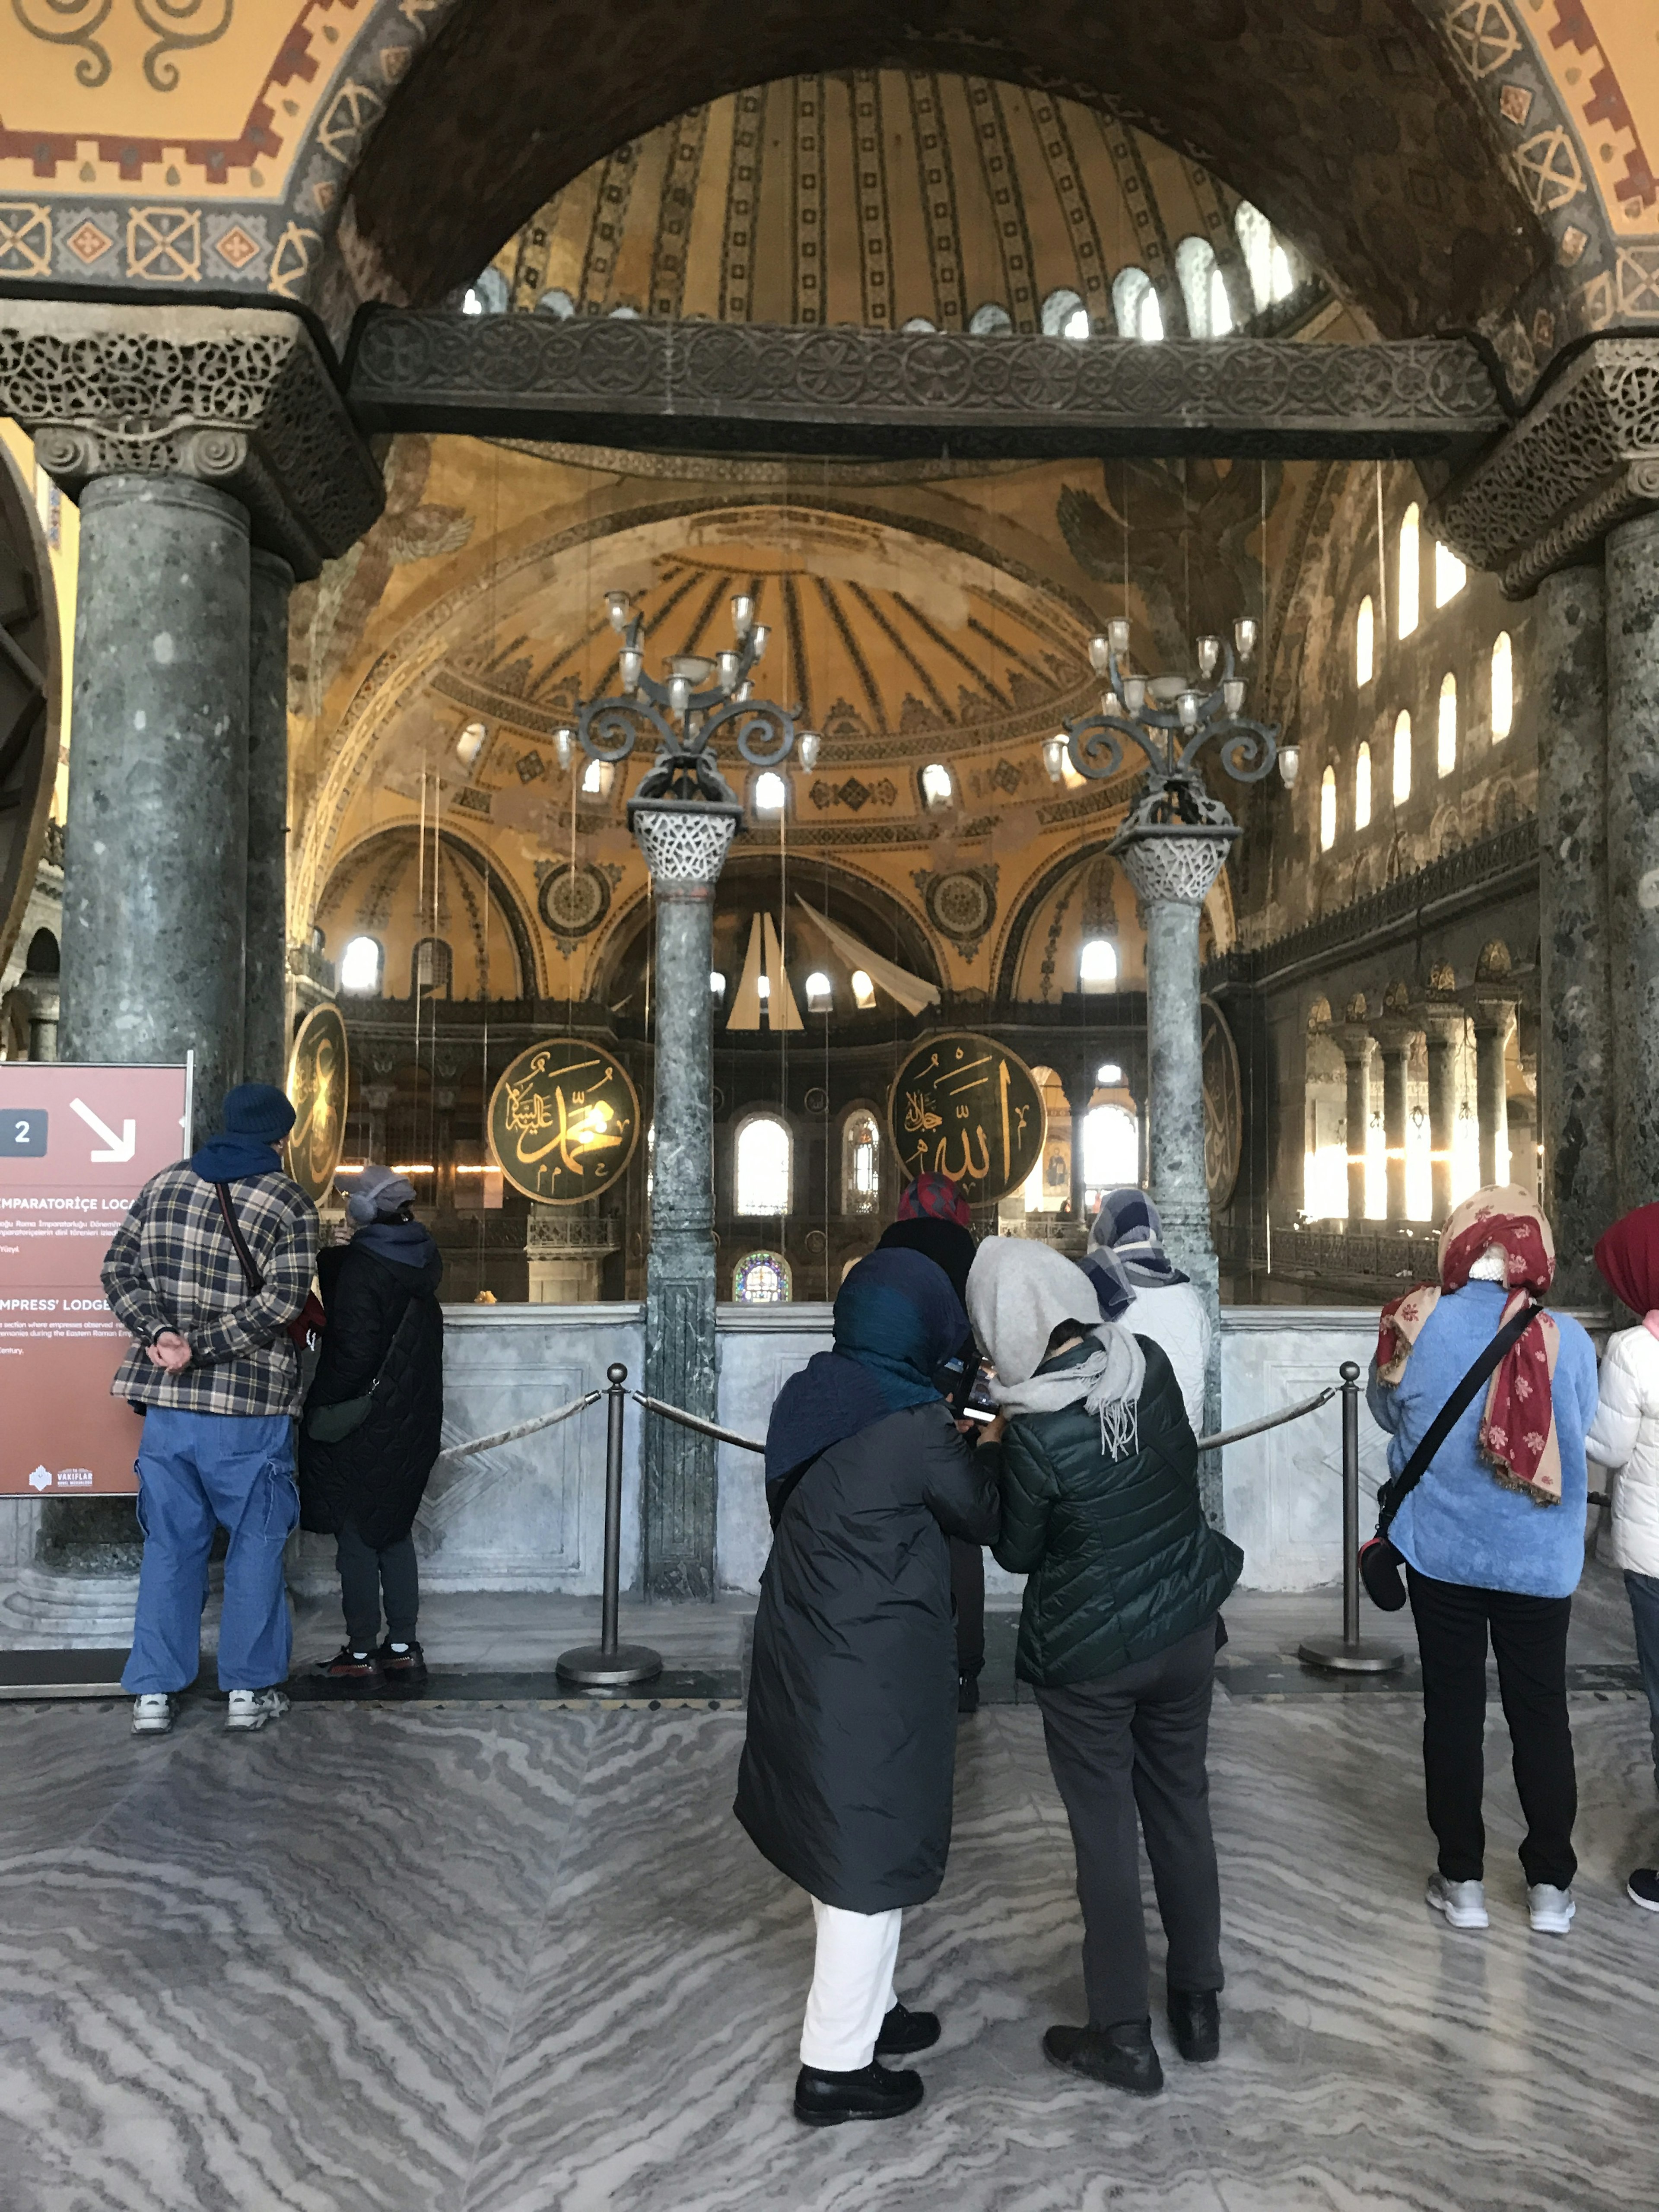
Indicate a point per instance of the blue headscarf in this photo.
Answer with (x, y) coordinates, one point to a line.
(896, 1320)
(1126, 1236)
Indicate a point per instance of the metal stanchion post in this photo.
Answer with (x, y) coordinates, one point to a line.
(1351, 1653)
(609, 1665)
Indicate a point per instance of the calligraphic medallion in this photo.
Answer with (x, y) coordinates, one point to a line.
(1224, 1106)
(964, 1106)
(564, 1121)
(319, 1067)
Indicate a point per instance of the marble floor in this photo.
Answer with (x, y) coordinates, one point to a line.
(447, 1959)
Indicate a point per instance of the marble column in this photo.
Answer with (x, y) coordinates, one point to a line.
(1575, 946)
(265, 1050)
(155, 866)
(1632, 787)
(1395, 1037)
(1172, 877)
(1080, 1090)
(1443, 1028)
(42, 993)
(1357, 1044)
(377, 1099)
(685, 844)
(1492, 1013)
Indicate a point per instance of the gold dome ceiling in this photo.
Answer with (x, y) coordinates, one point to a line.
(879, 197)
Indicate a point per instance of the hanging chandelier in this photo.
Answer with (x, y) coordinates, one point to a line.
(686, 713)
(1171, 719)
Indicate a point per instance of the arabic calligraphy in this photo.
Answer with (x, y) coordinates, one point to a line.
(964, 1107)
(564, 1121)
(317, 1085)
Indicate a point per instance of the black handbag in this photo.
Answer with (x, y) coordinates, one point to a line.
(1379, 1561)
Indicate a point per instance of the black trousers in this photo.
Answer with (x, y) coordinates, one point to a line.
(1136, 1743)
(1529, 1641)
(364, 1573)
(968, 1599)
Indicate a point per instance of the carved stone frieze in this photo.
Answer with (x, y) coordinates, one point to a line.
(1584, 458)
(240, 398)
(703, 386)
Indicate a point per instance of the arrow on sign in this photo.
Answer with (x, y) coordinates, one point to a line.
(118, 1148)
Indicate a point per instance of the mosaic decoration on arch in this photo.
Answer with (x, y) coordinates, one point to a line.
(564, 1121)
(319, 1069)
(964, 1106)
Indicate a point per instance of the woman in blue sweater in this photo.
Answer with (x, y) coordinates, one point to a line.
(1493, 1539)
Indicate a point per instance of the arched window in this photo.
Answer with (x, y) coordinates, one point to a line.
(763, 1166)
(1272, 276)
(990, 321)
(717, 986)
(1362, 788)
(596, 779)
(1446, 748)
(1134, 303)
(432, 970)
(938, 787)
(864, 991)
(918, 324)
(1328, 809)
(1449, 573)
(45, 954)
(1064, 316)
(1111, 1151)
(860, 1163)
(1410, 552)
(624, 314)
(820, 993)
(361, 966)
(1364, 641)
(471, 743)
(1402, 759)
(770, 793)
(1096, 966)
(1502, 687)
(486, 295)
(761, 1278)
(1209, 312)
(556, 302)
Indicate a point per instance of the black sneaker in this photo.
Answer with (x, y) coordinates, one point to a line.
(348, 1665)
(968, 1694)
(1195, 2023)
(1641, 1888)
(872, 2093)
(1120, 2057)
(904, 2031)
(404, 1669)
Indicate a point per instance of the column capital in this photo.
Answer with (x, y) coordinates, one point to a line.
(1175, 868)
(1441, 1021)
(1395, 1033)
(1355, 1041)
(237, 397)
(1491, 1007)
(684, 841)
(1581, 460)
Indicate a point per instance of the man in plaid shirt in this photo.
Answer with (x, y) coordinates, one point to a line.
(218, 1375)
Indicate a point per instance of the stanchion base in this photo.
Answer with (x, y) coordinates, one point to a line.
(591, 1667)
(1342, 1658)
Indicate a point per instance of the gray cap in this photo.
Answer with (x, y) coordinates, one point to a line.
(376, 1191)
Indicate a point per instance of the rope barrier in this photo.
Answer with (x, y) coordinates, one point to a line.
(520, 1429)
(1269, 1420)
(693, 1421)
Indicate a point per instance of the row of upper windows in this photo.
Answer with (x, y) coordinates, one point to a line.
(1445, 751)
(1449, 577)
(1135, 306)
(1097, 970)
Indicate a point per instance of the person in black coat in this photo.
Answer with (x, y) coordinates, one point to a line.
(847, 1770)
(933, 1219)
(370, 1431)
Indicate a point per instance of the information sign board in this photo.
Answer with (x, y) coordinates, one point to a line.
(76, 1145)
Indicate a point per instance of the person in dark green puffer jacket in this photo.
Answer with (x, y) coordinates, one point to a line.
(1098, 1472)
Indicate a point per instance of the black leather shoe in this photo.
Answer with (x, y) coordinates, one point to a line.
(1195, 2023)
(968, 1692)
(1121, 2057)
(904, 2031)
(872, 2093)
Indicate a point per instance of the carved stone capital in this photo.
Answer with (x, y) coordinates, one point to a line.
(1441, 1021)
(240, 398)
(1356, 1041)
(1583, 458)
(1490, 1009)
(684, 842)
(1396, 1035)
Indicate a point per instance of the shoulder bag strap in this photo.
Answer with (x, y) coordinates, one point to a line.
(1392, 1495)
(256, 1281)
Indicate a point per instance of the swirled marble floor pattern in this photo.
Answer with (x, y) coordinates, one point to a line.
(464, 1961)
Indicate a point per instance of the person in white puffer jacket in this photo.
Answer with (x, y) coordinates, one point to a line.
(1624, 1436)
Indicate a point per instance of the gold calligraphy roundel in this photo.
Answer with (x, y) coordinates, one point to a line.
(564, 1121)
(318, 1069)
(964, 1106)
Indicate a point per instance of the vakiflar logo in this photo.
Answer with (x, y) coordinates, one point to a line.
(40, 1480)
(75, 1478)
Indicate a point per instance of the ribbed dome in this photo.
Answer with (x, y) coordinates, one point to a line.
(884, 197)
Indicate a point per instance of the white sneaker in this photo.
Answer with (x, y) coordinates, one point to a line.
(1463, 1903)
(153, 1714)
(252, 1709)
(1551, 1909)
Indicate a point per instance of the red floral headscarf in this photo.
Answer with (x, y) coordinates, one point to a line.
(1517, 1430)
(934, 1197)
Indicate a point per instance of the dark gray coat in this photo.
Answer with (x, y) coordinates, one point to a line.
(848, 1770)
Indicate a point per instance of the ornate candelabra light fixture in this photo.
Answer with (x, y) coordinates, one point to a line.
(699, 699)
(1171, 719)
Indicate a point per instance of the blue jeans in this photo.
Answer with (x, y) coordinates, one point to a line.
(196, 1472)
(1644, 1594)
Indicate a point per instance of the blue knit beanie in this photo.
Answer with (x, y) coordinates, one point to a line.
(258, 1111)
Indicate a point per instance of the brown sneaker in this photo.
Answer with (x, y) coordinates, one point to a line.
(348, 1665)
(404, 1669)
